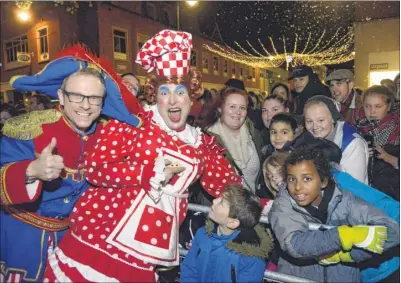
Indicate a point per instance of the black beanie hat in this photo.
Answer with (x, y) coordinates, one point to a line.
(235, 83)
(330, 105)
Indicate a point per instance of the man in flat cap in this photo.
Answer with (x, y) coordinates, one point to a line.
(341, 84)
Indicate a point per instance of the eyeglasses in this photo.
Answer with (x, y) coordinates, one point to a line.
(78, 98)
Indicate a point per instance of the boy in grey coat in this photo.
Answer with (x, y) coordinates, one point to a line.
(312, 197)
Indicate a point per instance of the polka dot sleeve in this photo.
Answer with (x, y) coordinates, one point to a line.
(218, 172)
(117, 159)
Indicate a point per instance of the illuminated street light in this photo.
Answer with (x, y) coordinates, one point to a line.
(192, 3)
(24, 15)
(23, 12)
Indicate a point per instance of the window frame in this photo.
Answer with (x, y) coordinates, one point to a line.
(15, 64)
(205, 55)
(225, 64)
(233, 67)
(166, 11)
(139, 38)
(216, 71)
(39, 42)
(194, 54)
(155, 15)
(120, 55)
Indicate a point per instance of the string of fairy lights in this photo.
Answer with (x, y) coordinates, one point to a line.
(315, 52)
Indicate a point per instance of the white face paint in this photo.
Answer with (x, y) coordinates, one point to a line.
(174, 104)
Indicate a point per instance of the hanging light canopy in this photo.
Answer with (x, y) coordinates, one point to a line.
(337, 49)
(23, 5)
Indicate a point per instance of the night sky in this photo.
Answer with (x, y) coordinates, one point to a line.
(253, 20)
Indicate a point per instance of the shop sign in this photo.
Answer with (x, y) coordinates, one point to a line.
(23, 57)
(382, 66)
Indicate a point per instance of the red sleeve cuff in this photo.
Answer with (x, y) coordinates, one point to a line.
(13, 188)
(147, 174)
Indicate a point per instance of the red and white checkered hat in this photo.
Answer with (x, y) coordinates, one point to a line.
(168, 52)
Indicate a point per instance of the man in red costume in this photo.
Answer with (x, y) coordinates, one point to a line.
(42, 159)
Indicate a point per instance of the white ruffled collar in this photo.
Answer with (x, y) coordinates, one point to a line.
(190, 135)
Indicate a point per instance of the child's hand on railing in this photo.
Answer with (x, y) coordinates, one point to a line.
(335, 258)
(371, 238)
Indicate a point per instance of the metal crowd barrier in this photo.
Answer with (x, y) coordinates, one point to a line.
(263, 219)
(268, 275)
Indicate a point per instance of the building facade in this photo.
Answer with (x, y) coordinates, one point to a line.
(116, 30)
(377, 43)
(41, 38)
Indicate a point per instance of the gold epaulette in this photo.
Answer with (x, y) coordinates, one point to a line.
(104, 120)
(29, 126)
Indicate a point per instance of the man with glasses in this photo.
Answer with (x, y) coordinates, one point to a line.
(341, 83)
(42, 158)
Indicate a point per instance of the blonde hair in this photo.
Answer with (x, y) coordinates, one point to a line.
(86, 72)
(379, 90)
(277, 159)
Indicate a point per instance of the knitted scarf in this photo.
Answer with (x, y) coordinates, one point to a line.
(386, 131)
(237, 146)
(344, 106)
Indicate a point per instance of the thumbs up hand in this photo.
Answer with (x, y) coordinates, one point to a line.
(47, 166)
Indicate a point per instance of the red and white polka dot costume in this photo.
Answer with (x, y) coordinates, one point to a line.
(127, 222)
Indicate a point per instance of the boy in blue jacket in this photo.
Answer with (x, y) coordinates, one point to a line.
(232, 246)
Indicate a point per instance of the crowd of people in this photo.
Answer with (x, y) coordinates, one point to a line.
(96, 189)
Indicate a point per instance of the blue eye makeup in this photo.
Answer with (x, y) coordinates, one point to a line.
(164, 90)
(180, 89)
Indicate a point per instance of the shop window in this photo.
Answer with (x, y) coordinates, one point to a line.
(12, 49)
(120, 39)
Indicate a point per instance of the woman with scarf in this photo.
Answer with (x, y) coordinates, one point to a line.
(379, 119)
(238, 135)
(127, 222)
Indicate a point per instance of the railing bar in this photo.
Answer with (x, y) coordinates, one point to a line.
(263, 218)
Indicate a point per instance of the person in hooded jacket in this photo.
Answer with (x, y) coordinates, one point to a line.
(325, 255)
(306, 85)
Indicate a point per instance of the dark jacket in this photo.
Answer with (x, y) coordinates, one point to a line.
(256, 117)
(384, 176)
(265, 133)
(313, 88)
